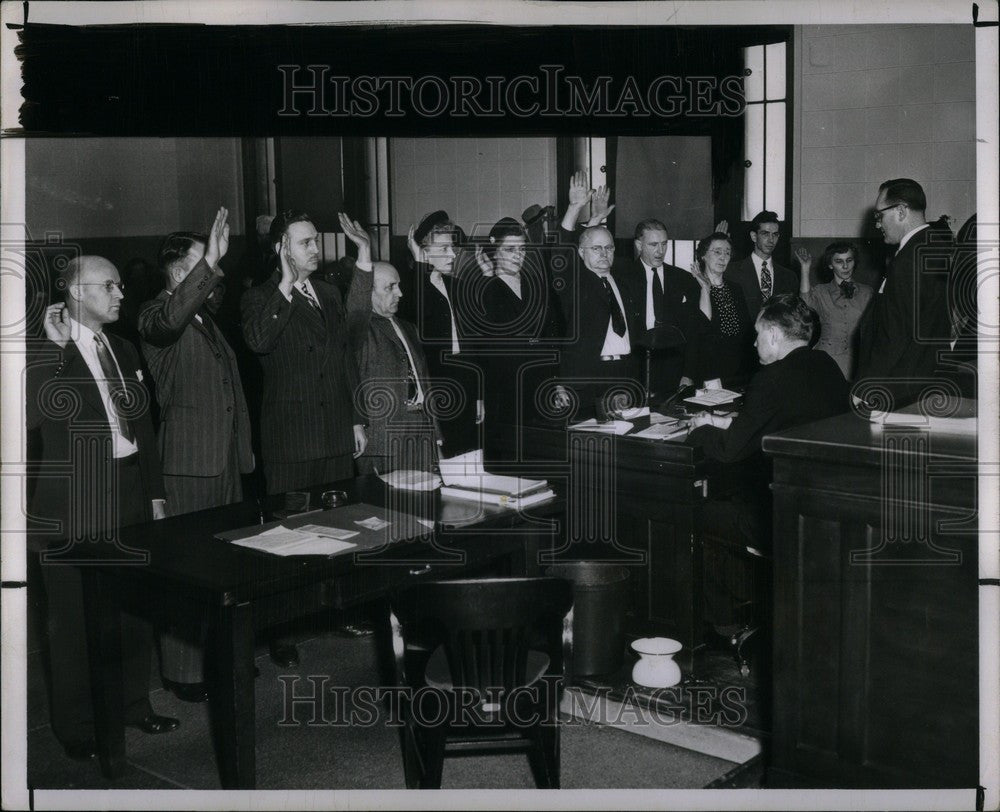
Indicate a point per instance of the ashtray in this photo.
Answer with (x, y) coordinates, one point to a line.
(332, 499)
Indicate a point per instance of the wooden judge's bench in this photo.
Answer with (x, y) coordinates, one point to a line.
(876, 645)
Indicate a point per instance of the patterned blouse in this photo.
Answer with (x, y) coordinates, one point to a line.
(725, 311)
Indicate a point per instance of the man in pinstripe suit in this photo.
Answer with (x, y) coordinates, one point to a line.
(310, 428)
(205, 427)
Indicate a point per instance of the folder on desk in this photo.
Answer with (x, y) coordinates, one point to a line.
(464, 477)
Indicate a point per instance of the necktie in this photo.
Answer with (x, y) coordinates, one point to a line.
(617, 319)
(765, 280)
(657, 297)
(116, 387)
(309, 297)
(847, 289)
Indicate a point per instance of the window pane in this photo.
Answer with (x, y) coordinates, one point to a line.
(753, 175)
(774, 176)
(775, 79)
(683, 254)
(383, 180)
(753, 85)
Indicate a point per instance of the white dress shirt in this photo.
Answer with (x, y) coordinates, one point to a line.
(650, 312)
(438, 283)
(615, 344)
(83, 337)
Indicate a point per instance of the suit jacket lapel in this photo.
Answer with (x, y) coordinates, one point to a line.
(76, 369)
(313, 317)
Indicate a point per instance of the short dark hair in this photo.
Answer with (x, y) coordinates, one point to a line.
(281, 222)
(791, 315)
(904, 190)
(702, 248)
(764, 217)
(175, 246)
(648, 225)
(506, 227)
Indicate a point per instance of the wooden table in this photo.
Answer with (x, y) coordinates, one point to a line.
(190, 574)
(876, 645)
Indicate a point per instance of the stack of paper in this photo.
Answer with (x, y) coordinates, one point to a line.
(465, 477)
(608, 427)
(712, 397)
(411, 480)
(664, 431)
(311, 539)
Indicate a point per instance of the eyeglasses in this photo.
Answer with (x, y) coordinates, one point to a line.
(878, 212)
(109, 285)
(601, 249)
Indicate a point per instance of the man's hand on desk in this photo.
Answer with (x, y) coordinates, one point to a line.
(708, 419)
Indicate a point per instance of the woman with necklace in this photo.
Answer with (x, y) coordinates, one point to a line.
(840, 303)
(724, 349)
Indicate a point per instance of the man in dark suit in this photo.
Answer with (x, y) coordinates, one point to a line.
(393, 374)
(758, 275)
(907, 323)
(601, 316)
(205, 427)
(99, 471)
(438, 306)
(310, 429)
(795, 385)
(667, 299)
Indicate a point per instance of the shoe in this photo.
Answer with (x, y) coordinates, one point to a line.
(355, 630)
(154, 724)
(81, 750)
(187, 691)
(284, 655)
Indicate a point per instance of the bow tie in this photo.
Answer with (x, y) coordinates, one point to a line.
(847, 288)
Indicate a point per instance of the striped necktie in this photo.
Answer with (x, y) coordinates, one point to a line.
(116, 387)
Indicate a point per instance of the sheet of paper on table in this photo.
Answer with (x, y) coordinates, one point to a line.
(713, 397)
(610, 427)
(664, 431)
(282, 541)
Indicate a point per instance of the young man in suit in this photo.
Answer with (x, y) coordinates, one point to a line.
(601, 316)
(795, 385)
(759, 276)
(392, 370)
(99, 471)
(907, 323)
(667, 299)
(310, 429)
(205, 427)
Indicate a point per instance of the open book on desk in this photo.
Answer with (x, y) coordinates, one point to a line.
(466, 472)
(712, 397)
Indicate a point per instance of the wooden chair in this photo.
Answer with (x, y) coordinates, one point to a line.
(482, 664)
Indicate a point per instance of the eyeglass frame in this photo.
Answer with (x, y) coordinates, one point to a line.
(878, 212)
(604, 249)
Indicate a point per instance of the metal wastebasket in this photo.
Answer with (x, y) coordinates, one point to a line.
(598, 609)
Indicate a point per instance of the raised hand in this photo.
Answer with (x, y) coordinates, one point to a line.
(722, 226)
(803, 256)
(579, 189)
(56, 324)
(356, 233)
(289, 276)
(484, 262)
(218, 237)
(415, 250)
(599, 208)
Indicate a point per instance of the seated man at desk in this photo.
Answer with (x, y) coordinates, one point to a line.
(795, 385)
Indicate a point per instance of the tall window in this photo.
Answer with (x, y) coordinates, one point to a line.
(765, 88)
(377, 176)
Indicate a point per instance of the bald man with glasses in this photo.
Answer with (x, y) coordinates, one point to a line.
(601, 315)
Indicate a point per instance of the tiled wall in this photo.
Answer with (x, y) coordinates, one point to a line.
(877, 102)
(476, 180)
(131, 187)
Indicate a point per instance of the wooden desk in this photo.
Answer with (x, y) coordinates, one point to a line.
(875, 655)
(191, 574)
(633, 501)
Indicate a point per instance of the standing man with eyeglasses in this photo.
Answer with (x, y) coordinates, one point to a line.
(601, 316)
(99, 471)
(907, 322)
(758, 275)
